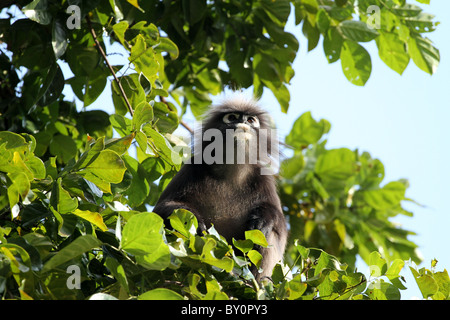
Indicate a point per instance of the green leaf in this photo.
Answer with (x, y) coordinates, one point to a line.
(162, 146)
(443, 280)
(94, 217)
(61, 199)
(377, 264)
(407, 10)
(142, 237)
(166, 118)
(421, 23)
(36, 166)
(121, 145)
(209, 257)
(133, 91)
(52, 87)
(138, 191)
(73, 250)
(184, 222)
(83, 61)
(427, 284)
(304, 252)
(357, 31)
(119, 30)
(118, 272)
(278, 11)
(13, 142)
(20, 186)
(381, 290)
(168, 46)
(393, 52)
(266, 68)
(323, 20)
(296, 288)
(144, 58)
(243, 245)
(332, 45)
(17, 165)
(282, 95)
(328, 262)
(194, 10)
(63, 147)
(336, 164)
(107, 166)
(385, 198)
(393, 273)
(37, 11)
(356, 63)
(257, 237)
(292, 166)
(312, 33)
(122, 125)
(59, 39)
(423, 53)
(255, 257)
(18, 257)
(306, 131)
(143, 114)
(160, 294)
(89, 88)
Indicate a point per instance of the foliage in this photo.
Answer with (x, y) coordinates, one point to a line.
(336, 201)
(74, 203)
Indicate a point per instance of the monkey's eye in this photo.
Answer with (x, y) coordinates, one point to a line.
(230, 117)
(253, 121)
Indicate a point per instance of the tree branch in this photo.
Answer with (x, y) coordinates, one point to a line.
(100, 49)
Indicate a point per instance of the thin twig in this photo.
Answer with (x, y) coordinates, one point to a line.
(100, 49)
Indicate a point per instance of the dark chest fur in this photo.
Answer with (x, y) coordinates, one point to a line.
(226, 197)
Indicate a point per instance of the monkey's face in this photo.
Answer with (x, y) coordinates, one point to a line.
(237, 133)
(245, 126)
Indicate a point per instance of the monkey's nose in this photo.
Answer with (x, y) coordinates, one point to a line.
(243, 126)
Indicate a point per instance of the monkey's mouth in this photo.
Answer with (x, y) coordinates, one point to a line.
(243, 132)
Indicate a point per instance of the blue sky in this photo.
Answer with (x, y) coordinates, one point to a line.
(401, 120)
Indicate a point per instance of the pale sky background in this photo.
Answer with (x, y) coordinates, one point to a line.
(401, 120)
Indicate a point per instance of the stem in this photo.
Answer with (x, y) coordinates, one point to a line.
(100, 49)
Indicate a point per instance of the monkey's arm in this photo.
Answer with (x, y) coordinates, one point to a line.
(270, 220)
(166, 208)
(267, 218)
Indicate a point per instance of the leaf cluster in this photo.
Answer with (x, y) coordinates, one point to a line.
(337, 200)
(73, 196)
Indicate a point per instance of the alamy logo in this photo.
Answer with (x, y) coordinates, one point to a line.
(374, 20)
(74, 21)
(74, 280)
(234, 146)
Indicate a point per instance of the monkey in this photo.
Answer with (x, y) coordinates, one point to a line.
(231, 195)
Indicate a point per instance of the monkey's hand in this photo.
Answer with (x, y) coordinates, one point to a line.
(263, 218)
(201, 226)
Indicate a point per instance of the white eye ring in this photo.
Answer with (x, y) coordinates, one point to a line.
(252, 120)
(230, 117)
